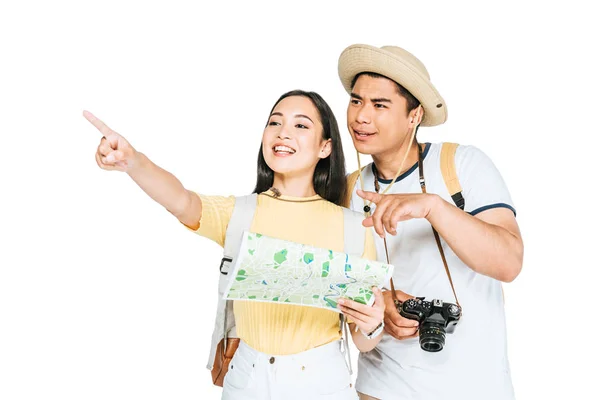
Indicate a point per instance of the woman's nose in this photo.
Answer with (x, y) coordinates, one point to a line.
(283, 133)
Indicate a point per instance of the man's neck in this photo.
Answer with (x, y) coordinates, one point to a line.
(295, 186)
(387, 164)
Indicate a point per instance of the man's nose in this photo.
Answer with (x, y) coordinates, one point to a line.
(363, 116)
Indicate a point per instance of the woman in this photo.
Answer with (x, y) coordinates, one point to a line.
(286, 351)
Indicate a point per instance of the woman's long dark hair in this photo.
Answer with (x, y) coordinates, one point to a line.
(329, 179)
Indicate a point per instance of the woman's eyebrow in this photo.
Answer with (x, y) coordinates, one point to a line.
(296, 116)
(303, 116)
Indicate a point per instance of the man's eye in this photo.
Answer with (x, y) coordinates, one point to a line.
(379, 106)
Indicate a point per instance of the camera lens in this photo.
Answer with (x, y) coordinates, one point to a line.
(432, 336)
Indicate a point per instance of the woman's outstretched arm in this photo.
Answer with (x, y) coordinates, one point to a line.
(116, 154)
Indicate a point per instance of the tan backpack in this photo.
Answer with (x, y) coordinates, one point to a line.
(447, 166)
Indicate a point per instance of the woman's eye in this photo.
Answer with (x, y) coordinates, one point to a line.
(301, 126)
(273, 123)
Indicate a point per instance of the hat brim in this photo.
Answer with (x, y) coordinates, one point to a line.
(365, 58)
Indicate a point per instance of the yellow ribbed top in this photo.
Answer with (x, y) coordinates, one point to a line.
(281, 329)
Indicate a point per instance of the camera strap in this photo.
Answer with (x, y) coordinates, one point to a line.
(435, 233)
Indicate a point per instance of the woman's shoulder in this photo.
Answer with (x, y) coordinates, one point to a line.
(350, 216)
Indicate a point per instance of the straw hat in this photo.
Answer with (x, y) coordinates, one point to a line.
(399, 65)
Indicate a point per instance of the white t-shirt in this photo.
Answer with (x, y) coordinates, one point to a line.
(473, 364)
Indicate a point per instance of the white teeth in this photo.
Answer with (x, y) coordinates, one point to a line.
(284, 149)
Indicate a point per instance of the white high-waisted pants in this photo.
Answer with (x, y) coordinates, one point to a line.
(316, 374)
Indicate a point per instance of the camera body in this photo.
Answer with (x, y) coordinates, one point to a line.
(435, 318)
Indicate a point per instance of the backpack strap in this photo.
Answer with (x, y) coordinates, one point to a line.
(354, 243)
(354, 232)
(448, 167)
(351, 182)
(241, 219)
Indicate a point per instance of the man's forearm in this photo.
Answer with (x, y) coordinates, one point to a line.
(487, 248)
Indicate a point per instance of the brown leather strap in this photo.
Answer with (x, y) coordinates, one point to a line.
(439, 245)
(435, 233)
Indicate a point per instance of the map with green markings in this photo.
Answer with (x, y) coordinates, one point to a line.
(274, 270)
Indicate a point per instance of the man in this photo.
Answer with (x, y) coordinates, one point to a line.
(390, 96)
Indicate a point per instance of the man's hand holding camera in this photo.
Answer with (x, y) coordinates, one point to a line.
(396, 325)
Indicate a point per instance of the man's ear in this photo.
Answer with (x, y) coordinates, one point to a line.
(325, 149)
(416, 115)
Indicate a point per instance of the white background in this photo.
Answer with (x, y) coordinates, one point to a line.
(104, 295)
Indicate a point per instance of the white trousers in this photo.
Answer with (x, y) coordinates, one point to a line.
(317, 374)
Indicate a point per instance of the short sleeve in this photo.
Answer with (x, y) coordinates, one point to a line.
(216, 213)
(482, 184)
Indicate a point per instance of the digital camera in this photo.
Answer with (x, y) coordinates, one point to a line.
(435, 318)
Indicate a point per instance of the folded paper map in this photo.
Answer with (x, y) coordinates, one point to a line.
(275, 270)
